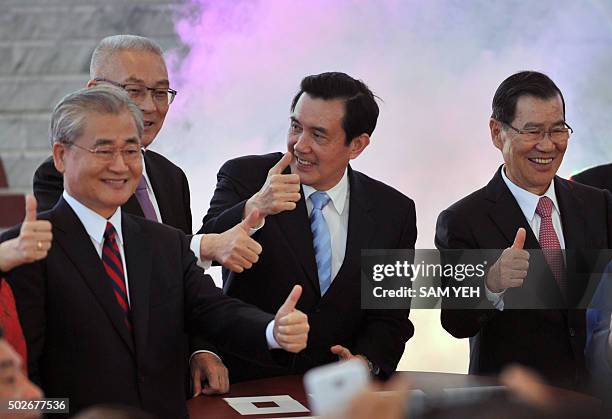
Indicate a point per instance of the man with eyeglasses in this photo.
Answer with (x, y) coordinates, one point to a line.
(136, 64)
(526, 206)
(107, 314)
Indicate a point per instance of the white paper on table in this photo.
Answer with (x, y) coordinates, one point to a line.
(246, 406)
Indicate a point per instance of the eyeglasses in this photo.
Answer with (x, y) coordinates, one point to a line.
(557, 135)
(138, 92)
(130, 153)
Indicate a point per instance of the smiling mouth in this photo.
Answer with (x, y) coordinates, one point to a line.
(303, 162)
(541, 160)
(115, 182)
(148, 124)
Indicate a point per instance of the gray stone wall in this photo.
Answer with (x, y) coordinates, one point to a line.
(45, 46)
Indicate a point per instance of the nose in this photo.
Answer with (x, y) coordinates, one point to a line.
(546, 143)
(27, 390)
(146, 104)
(302, 144)
(118, 163)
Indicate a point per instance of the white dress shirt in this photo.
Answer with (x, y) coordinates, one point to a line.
(336, 214)
(95, 225)
(528, 203)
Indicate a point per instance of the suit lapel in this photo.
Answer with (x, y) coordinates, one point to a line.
(73, 238)
(574, 227)
(161, 192)
(572, 215)
(361, 226)
(138, 261)
(506, 213)
(295, 226)
(508, 217)
(132, 207)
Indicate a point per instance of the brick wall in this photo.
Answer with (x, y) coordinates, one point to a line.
(45, 46)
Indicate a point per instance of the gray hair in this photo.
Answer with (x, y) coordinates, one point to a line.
(115, 43)
(70, 114)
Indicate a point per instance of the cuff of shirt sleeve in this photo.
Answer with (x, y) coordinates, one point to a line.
(208, 352)
(495, 298)
(255, 229)
(272, 343)
(195, 247)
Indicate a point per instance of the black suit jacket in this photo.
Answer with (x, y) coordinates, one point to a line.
(379, 218)
(78, 346)
(550, 341)
(168, 181)
(599, 177)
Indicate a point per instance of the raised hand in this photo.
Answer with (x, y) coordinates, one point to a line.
(279, 192)
(291, 325)
(33, 242)
(234, 249)
(510, 270)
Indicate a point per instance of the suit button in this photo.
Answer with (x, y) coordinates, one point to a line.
(317, 310)
(572, 332)
(141, 379)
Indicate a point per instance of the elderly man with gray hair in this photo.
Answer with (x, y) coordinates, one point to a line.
(136, 64)
(107, 314)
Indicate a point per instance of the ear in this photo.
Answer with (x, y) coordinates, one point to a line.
(496, 127)
(358, 145)
(91, 83)
(58, 156)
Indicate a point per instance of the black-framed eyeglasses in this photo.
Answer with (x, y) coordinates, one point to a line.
(130, 152)
(138, 92)
(557, 135)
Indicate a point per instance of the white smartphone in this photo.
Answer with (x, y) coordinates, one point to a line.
(331, 387)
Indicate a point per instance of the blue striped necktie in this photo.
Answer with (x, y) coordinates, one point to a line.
(321, 239)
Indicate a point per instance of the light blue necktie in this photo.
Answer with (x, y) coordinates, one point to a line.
(321, 239)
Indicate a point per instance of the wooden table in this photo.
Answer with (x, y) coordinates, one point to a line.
(432, 383)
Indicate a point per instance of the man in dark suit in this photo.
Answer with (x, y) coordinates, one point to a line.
(598, 176)
(319, 213)
(136, 64)
(526, 206)
(107, 313)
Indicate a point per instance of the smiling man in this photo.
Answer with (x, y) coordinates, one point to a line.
(136, 64)
(526, 206)
(319, 213)
(107, 314)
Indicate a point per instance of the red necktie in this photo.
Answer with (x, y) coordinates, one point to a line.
(111, 259)
(549, 242)
(10, 322)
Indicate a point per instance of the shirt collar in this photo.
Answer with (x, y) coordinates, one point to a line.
(94, 223)
(337, 193)
(528, 201)
(144, 172)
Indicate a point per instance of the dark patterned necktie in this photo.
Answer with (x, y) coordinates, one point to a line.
(111, 259)
(549, 242)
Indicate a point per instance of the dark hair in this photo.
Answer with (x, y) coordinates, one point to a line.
(360, 109)
(525, 83)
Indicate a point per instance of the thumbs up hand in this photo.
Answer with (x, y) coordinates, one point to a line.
(291, 325)
(33, 242)
(234, 249)
(510, 270)
(279, 192)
